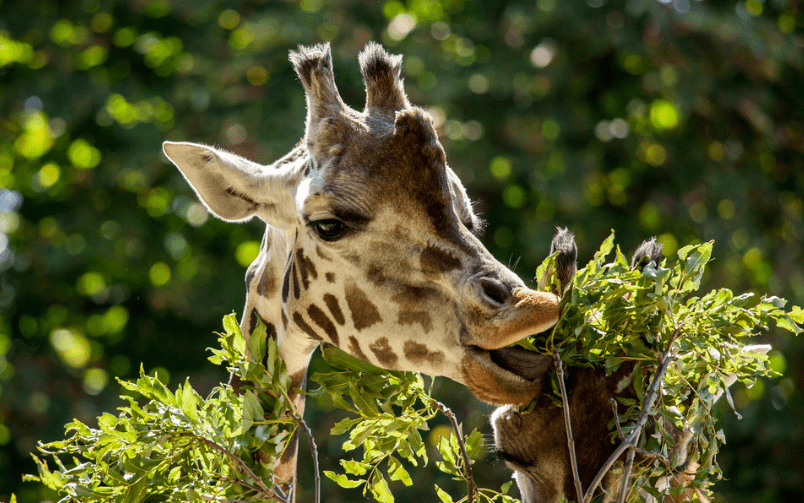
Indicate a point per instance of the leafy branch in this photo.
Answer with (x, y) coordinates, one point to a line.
(651, 318)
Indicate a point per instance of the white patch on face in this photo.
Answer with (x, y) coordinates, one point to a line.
(302, 192)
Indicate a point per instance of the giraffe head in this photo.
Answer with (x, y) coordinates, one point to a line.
(371, 243)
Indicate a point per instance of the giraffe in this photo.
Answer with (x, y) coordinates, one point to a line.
(371, 243)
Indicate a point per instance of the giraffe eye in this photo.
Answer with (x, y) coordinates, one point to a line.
(329, 229)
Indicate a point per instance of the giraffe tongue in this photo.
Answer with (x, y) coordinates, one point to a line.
(519, 361)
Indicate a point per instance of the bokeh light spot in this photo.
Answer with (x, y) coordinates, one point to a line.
(159, 274)
(500, 167)
(663, 114)
(83, 155)
(73, 349)
(95, 381)
(246, 252)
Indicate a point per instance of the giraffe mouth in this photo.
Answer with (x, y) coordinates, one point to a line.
(508, 375)
(520, 362)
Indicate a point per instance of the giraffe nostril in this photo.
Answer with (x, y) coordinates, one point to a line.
(494, 292)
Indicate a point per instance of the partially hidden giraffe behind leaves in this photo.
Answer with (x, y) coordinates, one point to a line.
(371, 243)
(533, 441)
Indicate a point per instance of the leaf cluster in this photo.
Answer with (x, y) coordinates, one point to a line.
(615, 314)
(178, 446)
(389, 411)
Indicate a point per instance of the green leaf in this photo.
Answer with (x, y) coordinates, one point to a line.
(379, 488)
(252, 411)
(397, 472)
(353, 467)
(187, 401)
(344, 425)
(341, 360)
(443, 495)
(342, 480)
(230, 324)
(605, 249)
(639, 381)
(474, 444)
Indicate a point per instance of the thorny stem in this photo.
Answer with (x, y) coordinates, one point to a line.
(471, 488)
(633, 437)
(568, 424)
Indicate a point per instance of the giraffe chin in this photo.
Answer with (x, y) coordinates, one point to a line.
(504, 376)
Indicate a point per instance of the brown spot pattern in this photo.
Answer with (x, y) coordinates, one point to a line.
(436, 261)
(354, 348)
(286, 284)
(320, 318)
(334, 308)
(384, 353)
(299, 321)
(306, 268)
(410, 301)
(267, 285)
(330, 277)
(295, 276)
(322, 254)
(250, 273)
(364, 312)
(418, 353)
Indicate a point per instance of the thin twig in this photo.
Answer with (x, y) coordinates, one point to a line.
(568, 425)
(314, 454)
(642, 452)
(471, 488)
(625, 486)
(633, 437)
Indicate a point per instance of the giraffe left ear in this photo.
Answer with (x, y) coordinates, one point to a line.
(232, 187)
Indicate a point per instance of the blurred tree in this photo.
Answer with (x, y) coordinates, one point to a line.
(675, 118)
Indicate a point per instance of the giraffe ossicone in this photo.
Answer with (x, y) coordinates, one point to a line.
(370, 243)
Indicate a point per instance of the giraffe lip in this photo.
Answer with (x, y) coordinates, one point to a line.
(513, 362)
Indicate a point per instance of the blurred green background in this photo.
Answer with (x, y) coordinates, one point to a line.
(676, 118)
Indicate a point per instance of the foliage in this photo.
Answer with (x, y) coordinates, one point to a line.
(388, 410)
(614, 314)
(680, 119)
(179, 446)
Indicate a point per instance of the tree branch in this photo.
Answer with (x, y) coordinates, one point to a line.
(471, 488)
(568, 425)
(314, 454)
(625, 486)
(633, 437)
(640, 451)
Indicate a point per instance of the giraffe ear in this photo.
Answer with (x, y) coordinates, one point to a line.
(233, 188)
